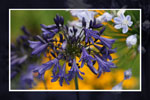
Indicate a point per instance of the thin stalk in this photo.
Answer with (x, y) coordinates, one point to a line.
(45, 85)
(76, 82)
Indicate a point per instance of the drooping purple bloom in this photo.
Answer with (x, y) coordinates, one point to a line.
(86, 58)
(15, 60)
(89, 34)
(49, 33)
(104, 66)
(38, 46)
(61, 75)
(26, 32)
(102, 30)
(49, 27)
(27, 79)
(74, 70)
(43, 68)
(106, 52)
(107, 42)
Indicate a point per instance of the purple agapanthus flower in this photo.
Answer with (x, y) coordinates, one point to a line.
(86, 58)
(106, 52)
(59, 21)
(27, 79)
(18, 60)
(73, 42)
(104, 66)
(107, 42)
(44, 67)
(49, 33)
(74, 70)
(89, 34)
(61, 75)
(38, 46)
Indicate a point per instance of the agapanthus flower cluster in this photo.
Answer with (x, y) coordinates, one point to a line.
(19, 52)
(67, 43)
(22, 62)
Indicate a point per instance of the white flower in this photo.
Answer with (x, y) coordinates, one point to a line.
(131, 40)
(76, 12)
(80, 14)
(123, 22)
(88, 15)
(118, 86)
(105, 17)
(127, 74)
(75, 23)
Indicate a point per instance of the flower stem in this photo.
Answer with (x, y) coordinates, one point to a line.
(76, 82)
(44, 81)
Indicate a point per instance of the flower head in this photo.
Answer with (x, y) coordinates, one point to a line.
(38, 46)
(104, 66)
(74, 70)
(74, 41)
(41, 69)
(104, 18)
(107, 42)
(61, 75)
(131, 40)
(27, 79)
(123, 22)
(84, 14)
(86, 58)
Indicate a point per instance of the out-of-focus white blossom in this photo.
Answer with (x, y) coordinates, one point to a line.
(104, 18)
(88, 15)
(80, 14)
(131, 40)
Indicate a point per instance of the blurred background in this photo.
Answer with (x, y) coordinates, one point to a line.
(32, 19)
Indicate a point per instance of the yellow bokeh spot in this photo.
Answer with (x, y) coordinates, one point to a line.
(130, 83)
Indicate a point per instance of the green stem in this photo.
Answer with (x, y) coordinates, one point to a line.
(76, 82)
(45, 85)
